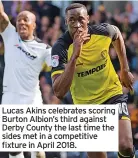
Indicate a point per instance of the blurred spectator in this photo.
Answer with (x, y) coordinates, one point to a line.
(52, 154)
(43, 26)
(133, 17)
(28, 6)
(76, 155)
(100, 16)
(126, 27)
(135, 83)
(44, 8)
(17, 6)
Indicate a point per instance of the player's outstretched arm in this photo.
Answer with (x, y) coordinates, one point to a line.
(4, 20)
(125, 75)
(121, 50)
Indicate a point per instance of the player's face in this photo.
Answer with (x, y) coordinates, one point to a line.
(25, 26)
(77, 19)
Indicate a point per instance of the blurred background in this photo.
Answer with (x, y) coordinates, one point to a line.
(50, 25)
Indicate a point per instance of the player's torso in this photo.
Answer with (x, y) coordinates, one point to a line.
(23, 62)
(23, 53)
(94, 54)
(94, 73)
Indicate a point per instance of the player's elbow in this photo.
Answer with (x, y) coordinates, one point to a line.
(58, 93)
(58, 88)
(59, 96)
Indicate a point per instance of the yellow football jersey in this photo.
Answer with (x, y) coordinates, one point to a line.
(95, 79)
(46, 68)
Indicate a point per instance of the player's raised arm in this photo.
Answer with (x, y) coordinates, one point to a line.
(125, 75)
(62, 76)
(63, 81)
(4, 20)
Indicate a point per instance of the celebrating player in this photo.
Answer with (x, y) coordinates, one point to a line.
(81, 63)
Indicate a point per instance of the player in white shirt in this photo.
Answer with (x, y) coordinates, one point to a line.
(23, 63)
(24, 57)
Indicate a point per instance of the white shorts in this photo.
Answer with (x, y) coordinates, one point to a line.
(14, 98)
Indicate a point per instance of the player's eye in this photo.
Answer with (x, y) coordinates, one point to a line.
(18, 20)
(26, 19)
(72, 20)
(81, 19)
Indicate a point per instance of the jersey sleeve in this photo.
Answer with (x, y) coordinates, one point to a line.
(48, 56)
(106, 30)
(112, 31)
(59, 59)
(8, 32)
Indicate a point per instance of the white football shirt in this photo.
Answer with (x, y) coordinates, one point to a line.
(23, 62)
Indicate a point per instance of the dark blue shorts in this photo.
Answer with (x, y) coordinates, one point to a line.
(121, 100)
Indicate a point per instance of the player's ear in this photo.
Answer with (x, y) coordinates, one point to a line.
(34, 26)
(65, 21)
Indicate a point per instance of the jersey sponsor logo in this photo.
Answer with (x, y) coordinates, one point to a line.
(55, 60)
(32, 57)
(91, 71)
(123, 108)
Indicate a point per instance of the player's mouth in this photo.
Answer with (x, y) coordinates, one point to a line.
(22, 29)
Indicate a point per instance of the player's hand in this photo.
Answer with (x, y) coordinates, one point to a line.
(79, 38)
(127, 79)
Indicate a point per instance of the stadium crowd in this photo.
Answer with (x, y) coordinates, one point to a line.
(50, 25)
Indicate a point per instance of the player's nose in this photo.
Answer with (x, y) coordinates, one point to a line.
(21, 21)
(77, 25)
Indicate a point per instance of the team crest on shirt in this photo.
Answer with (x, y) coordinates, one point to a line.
(104, 54)
(55, 60)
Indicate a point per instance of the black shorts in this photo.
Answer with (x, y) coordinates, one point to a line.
(121, 100)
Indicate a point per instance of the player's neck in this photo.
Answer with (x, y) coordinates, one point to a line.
(30, 38)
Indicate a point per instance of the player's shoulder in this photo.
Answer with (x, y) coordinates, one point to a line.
(41, 43)
(38, 40)
(103, 29)
(63, 42)
(9, 32)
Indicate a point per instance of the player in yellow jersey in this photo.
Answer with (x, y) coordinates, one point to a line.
(81, 63)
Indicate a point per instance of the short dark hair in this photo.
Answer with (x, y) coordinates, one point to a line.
(75, 5)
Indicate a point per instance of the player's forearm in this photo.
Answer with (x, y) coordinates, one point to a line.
(1, 7)
(4, 20)
(63, 82)
(121, 52)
